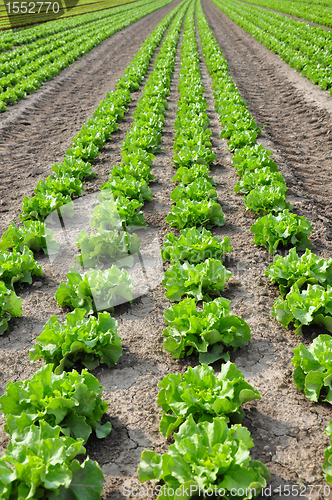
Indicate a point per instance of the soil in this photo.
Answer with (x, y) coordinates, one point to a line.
(287, 429)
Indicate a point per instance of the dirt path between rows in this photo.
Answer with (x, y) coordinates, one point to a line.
(290, 16)
(287, 429)
(36, 132)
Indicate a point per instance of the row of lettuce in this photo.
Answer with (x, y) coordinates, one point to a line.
(304, 47)
(305, 281)
(202, 410)
(25, 69)
(50, 417)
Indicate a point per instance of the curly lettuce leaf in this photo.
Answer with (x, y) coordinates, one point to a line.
(258, 177)
(187, 213)
(117, 214)
(194, 246)
(79, 339)
(198, 190)
(10, 306)
(284, 229)
(128, 187)
(18, 267)
(200, 281)
(33, 235)
(265, 199)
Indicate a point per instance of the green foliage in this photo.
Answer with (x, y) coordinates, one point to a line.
(205, 332)
(71, 400)
(79, 339)
(194, 246)
(42, 205)
(327, 465)
(284, 229)
(198, 392)
(10, 306)
(187, 213)
(265, 199)
(39, 464)
(17, 267)
(200, 281)
(208, 455)
(199, 190)
(252, 158)
(107, 247)
(136, 164)
(313, 369)
(128, 187)
(74, 167)
(95, 290)
(64, 184)
(294, 269)
(258, 177)
(117, 214)
(312, 305)
(33, 235)
(187, 175)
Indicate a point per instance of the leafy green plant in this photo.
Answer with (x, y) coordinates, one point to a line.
(39, 463)
(258, 177)
(327, 465)
(295, 269)
(128, 187)
(251, 158)
(18, 267)
(187, 213)
(33, 235)
(205, 332)
(71, 400)
(10, 306)
(199, 189)
(200, 281)
(264, 199)
(136, 164)
(187, 175)
(194, 246)
(313, 369)
(95, 289)
(198, 392)
(284, 229)
(74, 167)
(117, 214)
(107, 247)
(42, 205)
(64, 184)
(208, 455)
(191, 155)
(79, 339)
(312, 305)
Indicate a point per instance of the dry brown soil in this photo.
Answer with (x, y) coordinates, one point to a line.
(286, 427)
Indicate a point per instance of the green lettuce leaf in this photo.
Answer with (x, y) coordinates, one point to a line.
(198, 190)
(187, 175)
(187, 213)
(128, 187)
(198, 392)
(258, 177)
(10, 306)
(18, 267)
(33, 235)
(265, 199)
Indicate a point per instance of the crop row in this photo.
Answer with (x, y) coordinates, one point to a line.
(305, 280)
(317, 11)
(36, 14)
(304, 47)
(11, 38)
(51, 416)
(26, 69)
(203, 411)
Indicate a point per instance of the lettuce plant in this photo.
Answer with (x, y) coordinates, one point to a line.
(313, 369)
(205, 332)
(264, 199)
(18, 267)
(95, 290)
(327, 465)
(42, 205)
(251, 158)
(116, 214)
(312, 305)
(79, 339)
(128, 187)
(295, 269)
(10, 306)
(33, 234)
(206, 455)
(75, 167)
(194, 246)
(64, 184)
(39, 463)
(200, 281)
(187, 213)
(187, 175)
(284, 229)
(71, 400)
(107, 247)
(191, 155)
(198, 392)
(198, 190)
(258, 177)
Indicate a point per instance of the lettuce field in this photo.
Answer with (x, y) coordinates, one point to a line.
(166, 252)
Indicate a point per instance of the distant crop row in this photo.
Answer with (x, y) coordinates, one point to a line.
(317, 11)
(304, 47)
